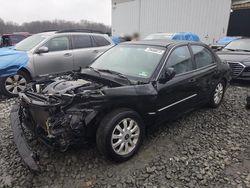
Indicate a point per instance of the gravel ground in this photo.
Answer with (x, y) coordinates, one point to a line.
(206, 148)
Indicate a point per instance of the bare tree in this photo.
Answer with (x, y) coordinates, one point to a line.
(40, 26)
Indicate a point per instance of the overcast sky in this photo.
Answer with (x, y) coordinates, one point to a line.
(72, 10)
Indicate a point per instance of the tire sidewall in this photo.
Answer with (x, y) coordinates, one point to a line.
(112, 124)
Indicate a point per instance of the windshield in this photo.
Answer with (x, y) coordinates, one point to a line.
(30, 42)
(159, 36)
(136, 62)
(241, 44)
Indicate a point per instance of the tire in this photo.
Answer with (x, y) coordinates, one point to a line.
(10, 86)
(217, 95)
(107, 139)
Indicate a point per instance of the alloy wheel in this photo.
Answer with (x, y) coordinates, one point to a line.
(15, 84)
(218, 94)
(125, 136)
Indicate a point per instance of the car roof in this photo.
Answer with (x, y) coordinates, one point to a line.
(14, 34)
(160, 42)
(51, 33)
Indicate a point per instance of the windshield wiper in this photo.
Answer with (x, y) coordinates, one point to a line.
(115, 73)
(230, 49)
(243, 50)
(95, 70)
(238, 50)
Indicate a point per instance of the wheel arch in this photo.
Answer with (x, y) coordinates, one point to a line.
(99, 117)
(225, 81)
(24, 70)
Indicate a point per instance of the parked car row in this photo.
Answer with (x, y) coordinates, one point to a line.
(48, 53)
(57, 52)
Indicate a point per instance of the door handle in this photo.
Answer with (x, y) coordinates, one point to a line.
(192, 80)
(68, 54)
(95, 51)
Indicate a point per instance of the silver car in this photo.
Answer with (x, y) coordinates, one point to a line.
(52, 53)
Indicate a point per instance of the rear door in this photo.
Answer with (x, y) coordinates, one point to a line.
(83, 50)
(207, 72)
(86, 48)
(101, 43)
(58, 59)
(181, 93)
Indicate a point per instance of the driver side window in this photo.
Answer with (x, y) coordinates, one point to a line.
(180, 60)
(58, 44)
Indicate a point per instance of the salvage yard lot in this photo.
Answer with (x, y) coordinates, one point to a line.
(206, 148)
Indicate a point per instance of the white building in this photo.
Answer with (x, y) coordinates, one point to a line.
(207, 18)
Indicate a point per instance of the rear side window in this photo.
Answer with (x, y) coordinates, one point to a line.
(180, 59)
(203, 57)
(101, 41)
(58, 44)
(82, 41)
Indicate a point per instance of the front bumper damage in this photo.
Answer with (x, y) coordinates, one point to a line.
(29, 157)
(57, 125)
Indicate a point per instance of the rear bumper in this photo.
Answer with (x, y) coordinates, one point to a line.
(29, 157)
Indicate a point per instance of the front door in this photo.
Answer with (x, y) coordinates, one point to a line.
(180, 94)
(58, 59)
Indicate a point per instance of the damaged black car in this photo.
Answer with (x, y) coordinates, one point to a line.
(127, 89)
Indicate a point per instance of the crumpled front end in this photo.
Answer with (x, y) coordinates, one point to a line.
(66, 111)
(58, 121)
(29, 157)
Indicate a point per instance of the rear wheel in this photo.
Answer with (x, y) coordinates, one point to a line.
(120, 135)
(217, 95)
(12, 85)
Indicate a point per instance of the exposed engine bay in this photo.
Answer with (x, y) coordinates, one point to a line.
(66, 110)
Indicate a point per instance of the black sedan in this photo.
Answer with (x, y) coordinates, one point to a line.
(237, 54)
(130, 87)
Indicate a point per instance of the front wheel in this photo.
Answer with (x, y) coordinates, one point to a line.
(120, 135)
(217, 95)
(11, 85)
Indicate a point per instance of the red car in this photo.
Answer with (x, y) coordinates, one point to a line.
(12, 39)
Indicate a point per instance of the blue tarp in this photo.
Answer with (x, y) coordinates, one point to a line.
(226, 40)
(186, 36)
(174, 36)
(116, 39)
(11, 61)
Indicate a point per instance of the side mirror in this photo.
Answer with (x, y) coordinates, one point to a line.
(42, 49)
(168, 74)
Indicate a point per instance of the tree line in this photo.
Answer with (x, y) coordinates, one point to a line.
(41, 26)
